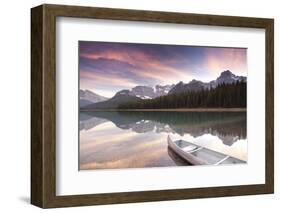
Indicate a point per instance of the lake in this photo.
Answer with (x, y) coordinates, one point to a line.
(110, 140)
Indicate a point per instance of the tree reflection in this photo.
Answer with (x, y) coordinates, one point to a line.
(228, 126)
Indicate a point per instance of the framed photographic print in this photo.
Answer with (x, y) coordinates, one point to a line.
(136, 106)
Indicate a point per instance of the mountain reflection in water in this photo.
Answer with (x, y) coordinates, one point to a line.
(139, 139)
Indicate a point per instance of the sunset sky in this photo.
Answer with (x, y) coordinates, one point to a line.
(107, 67)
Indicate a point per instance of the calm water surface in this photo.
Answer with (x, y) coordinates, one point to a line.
(139, 139)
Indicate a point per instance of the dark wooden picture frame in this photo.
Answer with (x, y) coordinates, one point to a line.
(43, 105)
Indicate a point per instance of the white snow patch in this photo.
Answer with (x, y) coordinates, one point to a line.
(235, 78)
(146, 97)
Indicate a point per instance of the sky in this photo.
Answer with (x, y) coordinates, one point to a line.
(108, 67)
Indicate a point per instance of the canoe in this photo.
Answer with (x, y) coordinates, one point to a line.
(179, 161)
(198, 155)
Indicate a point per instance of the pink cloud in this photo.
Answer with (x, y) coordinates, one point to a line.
(146, 66)
(107, 79)
(229, 58)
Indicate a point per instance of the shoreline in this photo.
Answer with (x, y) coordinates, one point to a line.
(169, 110)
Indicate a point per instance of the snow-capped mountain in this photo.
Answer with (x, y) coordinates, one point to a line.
(143, 92)
(226, 77)
(193, 85)
(146, 92)
(163, 90)
(88, 97)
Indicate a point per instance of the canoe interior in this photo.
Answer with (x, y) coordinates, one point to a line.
(200, 155)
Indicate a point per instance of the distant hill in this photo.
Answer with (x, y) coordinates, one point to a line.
(84, 102)
(87, 97)
(124, 96)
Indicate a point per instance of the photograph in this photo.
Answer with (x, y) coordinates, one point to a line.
(147, 105)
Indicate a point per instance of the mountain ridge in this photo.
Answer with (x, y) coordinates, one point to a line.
(226, 77)
(146, 92)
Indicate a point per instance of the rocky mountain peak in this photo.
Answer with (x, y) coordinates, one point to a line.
(146, 92)
(226, 73)
(180, 83)
(124, 92)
